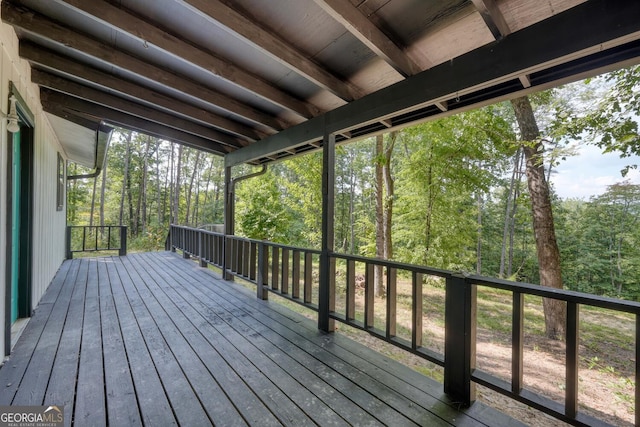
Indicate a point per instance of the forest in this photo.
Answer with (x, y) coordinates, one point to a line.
(450, 193)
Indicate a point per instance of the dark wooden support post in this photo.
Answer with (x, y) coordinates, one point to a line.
(517, 340)
(392, 296)
(123, 241)
(369, 296)
(284, 271)
(460, 339)
(253, 259)
(308, 277)
(573, 338)
(69, 253)
(201, 249)
(295, 274)
(229, 226)
(263, 272)
(275, 267)
(416, 312)
(350, 309)
(326, 293)
(172, 231)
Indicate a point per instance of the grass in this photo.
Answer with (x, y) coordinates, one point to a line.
(607, 342)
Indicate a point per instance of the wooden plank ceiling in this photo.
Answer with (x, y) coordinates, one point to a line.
(232, 75)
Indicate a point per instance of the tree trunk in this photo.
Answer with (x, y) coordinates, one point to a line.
(102, 195)
(176, 193)
(93, 200)
(543, 225)
(190, 189)
(125, 176)
(388, 198)
(142, 199)
(159, 203)
(379, 153)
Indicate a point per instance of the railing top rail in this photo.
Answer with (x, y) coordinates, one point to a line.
(560, 294)
(525, 288)
(96, 226)
(394, 264)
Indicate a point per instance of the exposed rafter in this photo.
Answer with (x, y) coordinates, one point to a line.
(147, 33)
(67, 38)
(52, 100)
(588, 29)
(492, 17)
(268, 43)
(358, 25)
(95, 96)
(50, 60)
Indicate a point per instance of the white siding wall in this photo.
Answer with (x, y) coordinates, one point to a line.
(48, 223)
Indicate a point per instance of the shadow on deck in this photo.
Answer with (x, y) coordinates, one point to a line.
(153, 339)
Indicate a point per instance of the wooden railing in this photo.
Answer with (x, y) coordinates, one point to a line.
(95, 238)
(293, 273)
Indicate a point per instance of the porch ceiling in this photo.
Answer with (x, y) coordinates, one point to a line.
(265, 80)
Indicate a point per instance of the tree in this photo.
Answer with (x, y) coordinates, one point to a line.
(543, 225)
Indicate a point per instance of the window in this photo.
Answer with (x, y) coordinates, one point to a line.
(60, 189)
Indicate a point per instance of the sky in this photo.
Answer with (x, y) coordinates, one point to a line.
(589, 173)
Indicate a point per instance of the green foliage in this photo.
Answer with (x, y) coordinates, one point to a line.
(452, 181)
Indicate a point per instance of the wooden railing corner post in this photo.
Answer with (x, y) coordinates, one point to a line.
(460, 339)
(123, 241)
(262, 291)
(326, 292)
(69, 253)
(201, 254)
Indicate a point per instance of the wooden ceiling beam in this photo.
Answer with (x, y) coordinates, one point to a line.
(73, 117)
(365, 31)
(67, 38)
(270, 44)
(96, 96)
(590, 32)
(40, 56)
(493, 18)
(138, 28)
(52, 99)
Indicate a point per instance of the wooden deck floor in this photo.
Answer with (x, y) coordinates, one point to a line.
(153, 339)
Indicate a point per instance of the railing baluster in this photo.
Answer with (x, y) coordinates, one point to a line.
(246, 257)
(284, 288)
(252, 262)
(275, 267)
(84, 238)
(350, 307)
(392, 297)
(263, 265)
(573, 337)
(308, 277)
(517, 342)
(416, 310)
(369, 296)
(295, 273)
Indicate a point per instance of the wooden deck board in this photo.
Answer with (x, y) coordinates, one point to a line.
(152, 339)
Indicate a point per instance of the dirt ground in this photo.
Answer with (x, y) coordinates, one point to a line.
(545, 375)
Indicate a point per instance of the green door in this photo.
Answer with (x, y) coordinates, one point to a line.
(15, 225)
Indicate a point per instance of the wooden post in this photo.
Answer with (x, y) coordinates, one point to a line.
(123, 241)
(326, 293)
(69, 253)
(460, 339)
(263, 271)
(573, 342)
(229, 228)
